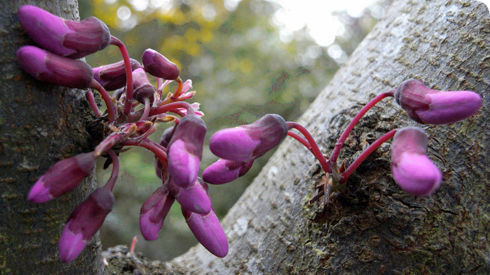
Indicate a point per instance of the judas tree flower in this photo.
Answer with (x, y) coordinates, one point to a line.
(64, 37)
(193, 198)
(412, 169)
(208, 231)
(62, 177)
(224, 171)
(185, 150)
(158, 65)
(113, 76)
(48, 67)
(84, 222)
(154, 211)
(142, 87)
(429, 106)
(248, 142)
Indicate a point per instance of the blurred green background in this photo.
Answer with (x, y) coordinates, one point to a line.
(241, 68)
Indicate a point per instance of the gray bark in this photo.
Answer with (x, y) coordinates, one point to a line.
(39, 125)
(375, 227)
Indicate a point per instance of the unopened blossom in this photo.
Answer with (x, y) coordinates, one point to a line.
(113, 76)
(62, 177)
(247, 142)
(84, 222)
(193, 198)
(142, 87)
(412, 170)
(158, 65)
(64, 37)
(154, 211)
(48, 67)
(224, 171)
(429, 106)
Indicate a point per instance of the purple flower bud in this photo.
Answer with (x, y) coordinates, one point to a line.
(411, 168)
(164, 140)
(84, 222)
(48, 67)
(154, 211)
(429, 106)
(64, 37)
(224, 171)
(208, 231)
(142, 87)
(62, 177)
(158, 65)
(248, 142)
(113, 76)
(185, 150)
(193, 198)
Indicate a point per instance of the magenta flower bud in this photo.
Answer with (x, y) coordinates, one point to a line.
(154, 211)
(412, 169)
(64, 37)
(193, 198)
(62, 177)
(248, 142)
(113, 76)
(142, 86)
(48, 67)
(429, 106)
(224, 171)
(158, 65)
(208, 231)
(185, 150)
(84, 222)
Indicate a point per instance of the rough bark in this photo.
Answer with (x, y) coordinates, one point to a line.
(39, 125)
(374, 227)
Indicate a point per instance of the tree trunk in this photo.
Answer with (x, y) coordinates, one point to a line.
(39, 125)
(375, 227)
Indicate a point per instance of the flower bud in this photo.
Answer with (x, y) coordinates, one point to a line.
(208, 231)
(412, 169)
(193, 198)
(248, 142)
(142, 87)
(224, 171)
(64, 37)
(185, 150)
(113, 76)
(154, 211)
(158, 65)
(164, 140)
(84, 222)
(62, 177)
(429, 106)
(48, 67)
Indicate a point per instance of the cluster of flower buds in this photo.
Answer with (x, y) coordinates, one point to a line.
(179, 152)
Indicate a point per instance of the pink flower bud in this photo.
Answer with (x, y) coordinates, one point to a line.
(248, 142)
(48, 67)
(84, 222)
(429, 106)
(193, 198)
(158, 65)
(412, 169)
(185, 150)
(208, 231)
(154, 211)
(142, 86)
(62, 177)
(113, 76)
(224, 171)
(64, 37)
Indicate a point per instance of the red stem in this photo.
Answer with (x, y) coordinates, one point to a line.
(365, 154)
(111, 109)
(146, 111)
(93, 104)
(171, 108)
(115, 171)
(157, 149)
(129, 77)
(314, 147)
(300, 139)
(345, 134)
